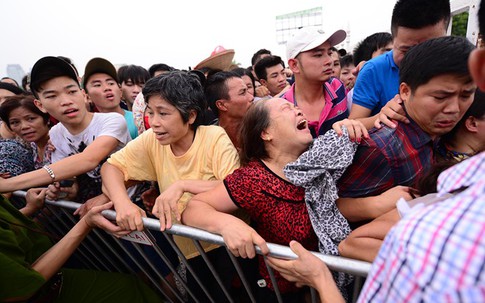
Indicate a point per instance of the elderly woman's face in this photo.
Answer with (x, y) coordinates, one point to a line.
(28, 125)
(288, 126)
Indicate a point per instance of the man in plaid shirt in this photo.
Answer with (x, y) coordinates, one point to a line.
(436, 89)
(436, 254)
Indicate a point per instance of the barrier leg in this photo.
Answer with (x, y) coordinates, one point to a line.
(241, 276)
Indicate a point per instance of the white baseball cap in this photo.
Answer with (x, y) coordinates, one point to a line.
(308, 38)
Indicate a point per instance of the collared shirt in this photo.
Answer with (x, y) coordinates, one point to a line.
(438, 253)
(378, 82)
(388, 158)
(335, 106)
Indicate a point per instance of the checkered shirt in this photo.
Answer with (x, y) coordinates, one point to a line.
(438, 253)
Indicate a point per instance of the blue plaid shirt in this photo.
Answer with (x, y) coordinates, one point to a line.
(438, 253)
(389, 158)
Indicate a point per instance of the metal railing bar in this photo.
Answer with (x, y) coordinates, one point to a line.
(112, 250)
(149, 262)
(82, 246)
(213, 270)
(93, 243)
(335, 263)
(314, 296)
(55, 231)
(167, 262)
(241, 275)
(273, 281)
(183, 259)
(142, 269)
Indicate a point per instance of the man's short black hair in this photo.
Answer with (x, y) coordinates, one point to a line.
(241, 71)
(435, 57)
(137, 74)
(364, 50)
(346, 61)
(159, 67)
(267, 62)
(257, 55)
(216, 88)
(417, 14)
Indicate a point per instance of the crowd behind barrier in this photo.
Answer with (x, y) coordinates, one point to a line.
(101, 251)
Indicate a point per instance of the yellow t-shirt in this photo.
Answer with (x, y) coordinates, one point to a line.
(212, 156)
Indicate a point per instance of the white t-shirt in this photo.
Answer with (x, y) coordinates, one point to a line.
(102, 124)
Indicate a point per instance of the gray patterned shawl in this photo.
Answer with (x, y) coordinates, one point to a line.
(317, 170)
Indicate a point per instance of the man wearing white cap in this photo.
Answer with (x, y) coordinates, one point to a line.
(320, 96)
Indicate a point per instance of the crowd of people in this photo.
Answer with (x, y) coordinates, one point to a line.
(375, 155)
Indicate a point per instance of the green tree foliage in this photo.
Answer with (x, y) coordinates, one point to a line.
(458, 27)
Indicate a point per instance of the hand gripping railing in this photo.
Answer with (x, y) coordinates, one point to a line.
(102, 254)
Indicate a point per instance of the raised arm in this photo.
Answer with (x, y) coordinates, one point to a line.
(362, 114)
(393, 110)
(364, 242)
(369, 208)
(210, 211)
(66, 168)
(51, 261)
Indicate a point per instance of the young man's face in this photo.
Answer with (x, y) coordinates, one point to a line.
(439, 104)
(64, 100)
(239, 98)
(249, 84)
(347, 77)
(382, 50)
(104, 92)
(130, 90)
(314, 65)
(336, 65)
(407, 37)
(167, 123)
(275, 79)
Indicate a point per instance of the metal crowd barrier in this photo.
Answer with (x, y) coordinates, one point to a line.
(102, 251)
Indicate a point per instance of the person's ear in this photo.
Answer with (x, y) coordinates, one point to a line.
(221, 105)
(294, 65)
(85, 96)
(404, 91)
(476, 64)
(192, 117)
(471, 124)
(40, 106)
(266, 136)
(263, 82)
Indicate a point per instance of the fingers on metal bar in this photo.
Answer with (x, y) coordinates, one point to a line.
(104, 252)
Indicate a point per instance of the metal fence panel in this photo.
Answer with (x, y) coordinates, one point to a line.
(98, 252)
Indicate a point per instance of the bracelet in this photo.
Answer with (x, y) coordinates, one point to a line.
(50, 172)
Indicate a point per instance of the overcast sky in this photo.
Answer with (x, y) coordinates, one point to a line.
(179, 33)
